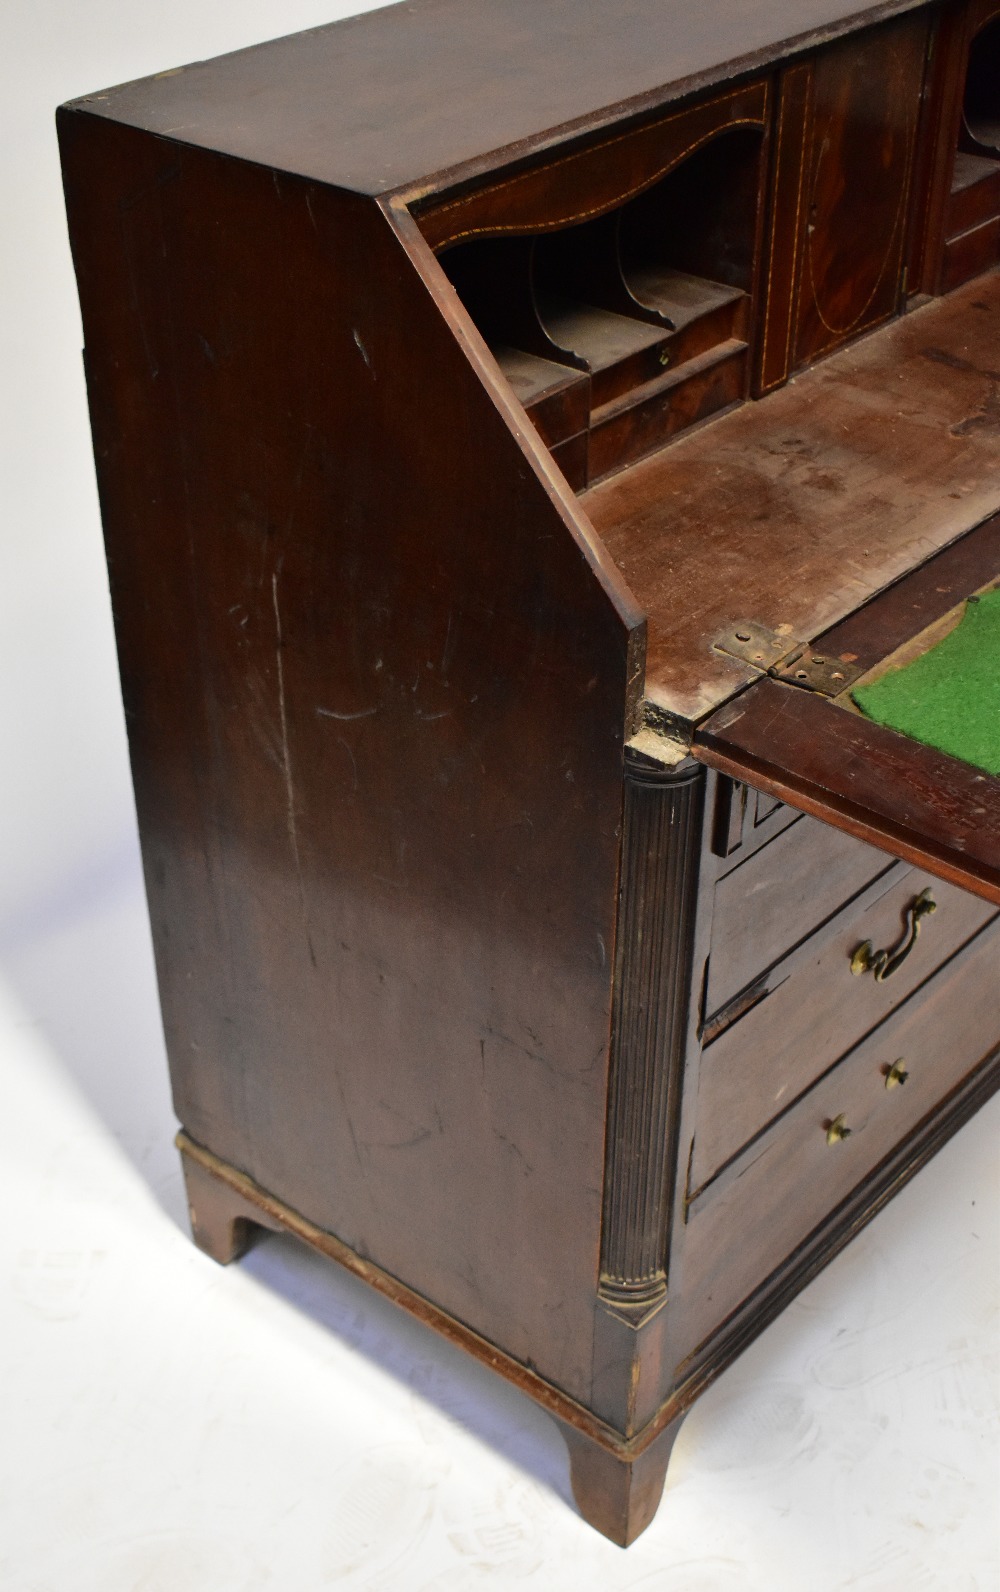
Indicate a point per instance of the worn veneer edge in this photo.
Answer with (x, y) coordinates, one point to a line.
(667, 750)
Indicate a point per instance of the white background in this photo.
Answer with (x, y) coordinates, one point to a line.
(168, 1426)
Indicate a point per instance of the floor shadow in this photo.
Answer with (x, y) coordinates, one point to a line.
(80, 961)
(447, 1379)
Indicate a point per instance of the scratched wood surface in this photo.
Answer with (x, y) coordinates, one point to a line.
(376, 689)
(795, 510)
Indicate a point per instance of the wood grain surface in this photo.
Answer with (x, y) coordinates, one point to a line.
(794, 510)
(866, 97)
(410, 91)
(794, 1178)
(592, 180)
(909, 799)
(779, 896)
(376, 687)
(918, 600)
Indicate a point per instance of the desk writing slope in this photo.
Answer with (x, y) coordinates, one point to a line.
(403, 338)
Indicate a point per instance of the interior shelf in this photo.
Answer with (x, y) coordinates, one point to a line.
(981, 103)
(620, 332)
(619, 352)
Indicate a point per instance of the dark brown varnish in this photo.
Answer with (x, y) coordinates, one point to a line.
(460, 375)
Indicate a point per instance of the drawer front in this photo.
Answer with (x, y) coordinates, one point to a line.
(745, 819)
(776, 898)
(816, 1010)
(744, 1228)
(975, 196)
(970, 253)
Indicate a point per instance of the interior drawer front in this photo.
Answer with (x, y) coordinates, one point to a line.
(970, 253)
(778, 897)
(745, 1227)
(971, 203)
(763, 1062)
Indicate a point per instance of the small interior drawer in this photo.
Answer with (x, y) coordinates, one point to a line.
(975, 193)
(747, 1223)
(628, 427)
(970, 254)
(814, 1009)
(776, 898)
(557, 400)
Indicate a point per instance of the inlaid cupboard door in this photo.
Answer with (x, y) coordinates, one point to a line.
(858, 158)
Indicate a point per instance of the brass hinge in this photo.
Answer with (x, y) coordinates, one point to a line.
(795, 662)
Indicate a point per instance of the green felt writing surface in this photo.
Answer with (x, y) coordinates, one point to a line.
(949, 697)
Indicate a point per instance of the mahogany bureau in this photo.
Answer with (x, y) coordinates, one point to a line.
(518, 426)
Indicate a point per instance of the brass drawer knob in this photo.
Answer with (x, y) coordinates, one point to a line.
(837, 1130)
(882, 964)
(896, 1074)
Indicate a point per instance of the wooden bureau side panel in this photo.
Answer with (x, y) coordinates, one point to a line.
(376, 686)
(866, 95)
(798, 1179)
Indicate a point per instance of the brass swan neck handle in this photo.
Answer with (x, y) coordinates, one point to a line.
(882, 964)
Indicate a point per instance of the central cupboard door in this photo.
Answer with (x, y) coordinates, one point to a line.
(859, 144)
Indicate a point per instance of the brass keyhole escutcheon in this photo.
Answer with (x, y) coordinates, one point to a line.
(664, 357)
(896, 1074)
(837, 1130)
(882, 964)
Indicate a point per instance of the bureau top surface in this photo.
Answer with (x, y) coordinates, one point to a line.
(400, 95)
